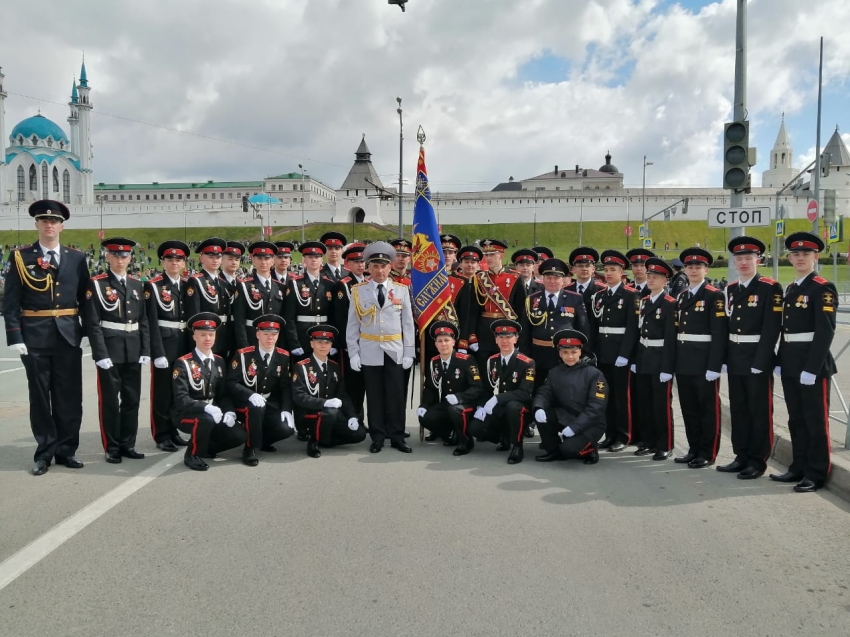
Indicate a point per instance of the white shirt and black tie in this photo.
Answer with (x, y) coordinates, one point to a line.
(51, 255)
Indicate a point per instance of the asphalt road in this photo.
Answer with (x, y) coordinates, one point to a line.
(393, 544)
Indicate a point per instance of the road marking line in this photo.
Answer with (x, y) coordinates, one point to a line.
(19, 563)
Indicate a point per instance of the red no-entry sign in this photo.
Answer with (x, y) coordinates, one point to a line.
(812, 210)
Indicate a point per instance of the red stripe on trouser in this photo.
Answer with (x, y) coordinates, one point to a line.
(100, 412)
(153, 414)
(194, 423)
(588, 448)
(669, 415)
(318, 418)
(826, 425)
(463, 415)
(521, 432)
(716, 384)
(246, 411)
(769, 417)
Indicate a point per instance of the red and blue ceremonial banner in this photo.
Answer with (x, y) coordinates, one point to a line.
(431, 292)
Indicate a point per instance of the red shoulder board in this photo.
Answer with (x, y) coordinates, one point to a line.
(569, 292)
(538, 293)
(667, 297)
(768, 280)
(461, 356)
(198, 275)
(345, 280)
(494, 356)
(246, 350)
(820, 279)
(328, 279)
(98, 277)
(185, 357)
(246, 279)
(134, 277)
(629, 288)
(217, 356)
(306, 361)
(156, 279)
(524, 358)
(280, 350)
(433, 358)
(711, 288)
(295, 277)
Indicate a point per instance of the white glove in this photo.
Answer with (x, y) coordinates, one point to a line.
(778, 371)
(106, 363)
(664, 378)
(229, 419)
(213, 411)
(491, 404)
(355, 363)
(461, 351)
(144, 360)
(287, 419)
(480, 414)
(753, 370)
(333, 403)
(473, 347)
(807, 379)
(84, 342)
(334, 350)
(621, 361)
(723, 369)
(568, 432)
(161, 362)
(421, 411)
(298, 351)
(20, 348)
(711, 376)
(633, 367)
(353, 424)
(407, 362)
(540, 415)
(451, 399)
(257, 400)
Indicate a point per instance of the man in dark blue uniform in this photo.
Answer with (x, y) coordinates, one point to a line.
(45, 291)
(583, 263)
(257, 294)
(206, 292)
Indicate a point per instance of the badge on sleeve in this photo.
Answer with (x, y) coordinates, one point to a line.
(828, 302)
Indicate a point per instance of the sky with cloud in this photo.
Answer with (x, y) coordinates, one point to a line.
(501, 88)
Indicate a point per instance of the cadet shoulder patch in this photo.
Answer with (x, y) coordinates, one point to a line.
(768, 280)
(711, 288)
(147, 294)
(306, 361)
(524, 358)
(156, 279)
(98, 277)
(667, 297)
(828, 302)
(235, 363)
(190, 291)
(245, 350)
(820, 279)
(280, 350)
(185, 357)
(175, 373)
(88, 294)
(461, 356)
(340, 294)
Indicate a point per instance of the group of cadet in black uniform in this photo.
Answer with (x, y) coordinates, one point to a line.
(251, 359)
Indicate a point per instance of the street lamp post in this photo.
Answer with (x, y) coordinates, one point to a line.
(643, 192)
(535, 219)
(302, 202)
(400, 166)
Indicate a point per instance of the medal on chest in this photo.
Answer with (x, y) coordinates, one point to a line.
(753, 300)
(305, 292)
(166, 295)
(196, 371)
(802, 301)
(252, 369)
(211, 291)
(111, 294)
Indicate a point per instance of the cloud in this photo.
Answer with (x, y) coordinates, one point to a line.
(304, 79)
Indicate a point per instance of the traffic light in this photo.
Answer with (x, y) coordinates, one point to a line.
(400, 3)
(244, 203)
(736, 166)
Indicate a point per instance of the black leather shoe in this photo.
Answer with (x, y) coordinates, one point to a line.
(462, 450)
(750, 473)
(503, 446)
(431, 437)
(313, 449)
(402, 446)
(733, 467)
(685, 459)
(644, 451)
(195, 462)
(548, 457)
(302, 437)
(451, 441)
(40, 467)
(268, 448)
(592, 458)
(662, 455)
(166, 445)
(113, 457)
(516, 456)
(785, 477)
(807, 486)
(376, 447)
(698, 463)
(249, 457)
(72, 462)
(606, 443)
(617, 446)
(178, 441)
(131, 453)
(407, 433)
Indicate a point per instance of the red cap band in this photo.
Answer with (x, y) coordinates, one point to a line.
(333, 242)
(284, 252)
(197, 324)
(615, 261)
(236, 252)
(506, 329)
(525, 259)
(262, 252)
(695, 258)
(312, 252)
(742, 247)
(657, 269)
(569, 342)
(322, 335)
(444, 330)
(268, 325)
(810, 245)
(584, 257)
(174, 252)
(117, 247)
(468, 254)
(213, 249)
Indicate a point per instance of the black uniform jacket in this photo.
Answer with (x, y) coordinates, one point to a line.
(205, 293)
(164, 307)
(252, 301)
(809, 309)
(305, 300)
(27, 288)
(702, 316)
(657, 322)
(106, 301)
(753, 311)
(249, 375)
(579, 396)
(461, 379)
(539, 325)
(515, 383)
(618, 312)
(195, 388)
(311, 388)
(590, 288)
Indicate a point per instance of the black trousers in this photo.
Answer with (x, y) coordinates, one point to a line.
(808, 421)
(639, 414)
(751, 407)
(208, 438)
(118, 390)
(618, 412)
(329, 427)
(700, 403)
(442, 419)
(385, 400)
(355, 385)
(55, 380)
(656, 407)
(505, 424)
(545, 358)
(162, 400)
(262, 425)
(574, 448)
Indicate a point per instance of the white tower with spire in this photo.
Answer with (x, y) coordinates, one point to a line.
(73, 119)
(83, 108)
(3, 193)
(781, 170)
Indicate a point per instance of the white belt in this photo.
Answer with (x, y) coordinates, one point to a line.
(694, 338)
(176, 325)
(121, 327)
(652, 342)
(745, 338)
(612, 330)
(799, 337)
(311, 319)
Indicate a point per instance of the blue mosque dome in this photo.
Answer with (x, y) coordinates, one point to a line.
(39, 126)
